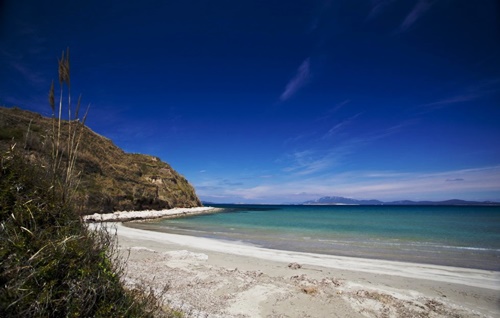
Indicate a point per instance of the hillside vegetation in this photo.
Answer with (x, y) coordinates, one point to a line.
(110, 179)
(51, 265)
(52, 171)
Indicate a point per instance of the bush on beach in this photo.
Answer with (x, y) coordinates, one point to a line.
(51, 264)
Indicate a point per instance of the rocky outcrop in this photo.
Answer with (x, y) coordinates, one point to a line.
(111, 180)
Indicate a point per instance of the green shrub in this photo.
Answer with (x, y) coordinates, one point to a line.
(7, 133)
(51, 265)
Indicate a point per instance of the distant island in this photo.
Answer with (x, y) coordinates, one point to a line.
(335, 200)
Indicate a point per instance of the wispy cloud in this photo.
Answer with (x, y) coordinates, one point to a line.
(309, 164)
(410, 19)
(227, 182)
(386, 132)
(328, 114)
(314, 161)
(378, 6)
(339, 126)
(416, 13)
(471, 93)
(331, 148)
(298, 81)
(468, 184)
(299, 138)
(217, 187)
(32, 77)
(453, 100)
(455, 180)
(338, 106)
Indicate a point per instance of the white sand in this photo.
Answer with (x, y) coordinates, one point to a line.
(226, 279)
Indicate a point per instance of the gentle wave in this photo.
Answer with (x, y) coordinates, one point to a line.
(457, 236)
(413, 244)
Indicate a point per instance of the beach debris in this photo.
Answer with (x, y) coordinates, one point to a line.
(310, 290)
(185, 255)
(255, 274)
(334, 281)
(142, 248)
(434, 305)
(294, 266)
(302, 277)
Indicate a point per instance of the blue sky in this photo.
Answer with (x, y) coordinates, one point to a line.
(279, 101)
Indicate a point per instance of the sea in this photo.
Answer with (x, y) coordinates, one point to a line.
(462, 236)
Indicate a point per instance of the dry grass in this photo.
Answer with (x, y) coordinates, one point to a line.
(51, 265)
(65, 152)
(110, 179)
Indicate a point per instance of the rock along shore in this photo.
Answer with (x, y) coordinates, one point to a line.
(123, 216)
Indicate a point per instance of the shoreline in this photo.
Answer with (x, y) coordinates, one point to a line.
(227, 279)
(125, 216)
(448, 274)
(364, 247)
(153, 227)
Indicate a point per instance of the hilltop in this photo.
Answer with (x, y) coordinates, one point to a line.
(111, 179)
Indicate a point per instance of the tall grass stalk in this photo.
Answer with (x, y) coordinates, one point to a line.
(64, 154)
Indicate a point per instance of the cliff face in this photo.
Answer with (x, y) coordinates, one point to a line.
(111, 180)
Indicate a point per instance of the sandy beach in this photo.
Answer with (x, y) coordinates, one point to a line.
(211, 278)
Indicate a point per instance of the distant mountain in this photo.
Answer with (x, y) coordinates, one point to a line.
(334, 200)
(342, 201)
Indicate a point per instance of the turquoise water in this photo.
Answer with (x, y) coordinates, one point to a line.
(465, 236)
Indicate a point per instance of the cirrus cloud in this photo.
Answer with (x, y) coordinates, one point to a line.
(298, 81)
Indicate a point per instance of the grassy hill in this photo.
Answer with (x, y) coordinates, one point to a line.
(52, 171)
(51, 264)
(110, 179)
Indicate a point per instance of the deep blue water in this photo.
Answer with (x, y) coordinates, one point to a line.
(465, 236)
